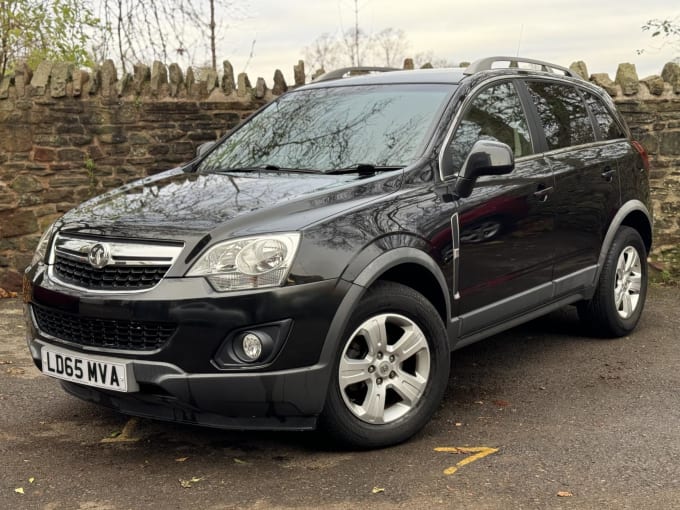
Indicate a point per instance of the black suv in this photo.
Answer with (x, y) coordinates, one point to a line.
(318, 264)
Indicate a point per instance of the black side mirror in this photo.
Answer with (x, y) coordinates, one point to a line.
(486, 158)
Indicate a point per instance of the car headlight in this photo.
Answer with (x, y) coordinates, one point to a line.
(248, 263)
(41, 250)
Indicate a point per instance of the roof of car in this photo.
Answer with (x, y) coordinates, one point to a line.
(381, 75)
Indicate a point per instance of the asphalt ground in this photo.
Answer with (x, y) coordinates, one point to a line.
(538, 417)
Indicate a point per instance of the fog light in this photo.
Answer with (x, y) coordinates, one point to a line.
(252, 346)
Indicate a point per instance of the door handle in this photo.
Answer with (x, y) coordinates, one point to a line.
(542, 192)
(608, 174)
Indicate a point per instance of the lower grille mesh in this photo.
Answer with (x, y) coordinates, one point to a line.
(109, 333)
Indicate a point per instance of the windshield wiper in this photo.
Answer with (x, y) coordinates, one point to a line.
(248, 168)
(268, 168)
(363, 169)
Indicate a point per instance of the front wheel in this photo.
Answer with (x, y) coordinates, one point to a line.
(617, 305)
(390, 371)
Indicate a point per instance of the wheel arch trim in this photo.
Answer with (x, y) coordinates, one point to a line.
(399, 256)
(370, 274)
(619, 218)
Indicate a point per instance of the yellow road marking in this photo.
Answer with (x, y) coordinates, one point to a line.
(479, 453)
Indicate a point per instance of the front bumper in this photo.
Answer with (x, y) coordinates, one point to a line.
(181, 381)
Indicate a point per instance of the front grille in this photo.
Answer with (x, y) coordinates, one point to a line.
(123, 265)
(109, 333)
(82, 274)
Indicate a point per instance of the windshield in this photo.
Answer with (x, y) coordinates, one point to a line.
(334, 128)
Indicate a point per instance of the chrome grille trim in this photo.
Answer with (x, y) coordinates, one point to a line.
(125, 255)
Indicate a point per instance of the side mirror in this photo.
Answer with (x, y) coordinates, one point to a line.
(486, 158)
(204, 147)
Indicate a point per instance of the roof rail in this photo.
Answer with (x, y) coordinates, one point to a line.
(485, 64)
(352, 71)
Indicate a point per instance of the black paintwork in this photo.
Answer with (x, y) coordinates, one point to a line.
(516, 233)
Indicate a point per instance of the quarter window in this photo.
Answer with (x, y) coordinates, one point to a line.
(609, 128)
(563, 114)
(495, 114)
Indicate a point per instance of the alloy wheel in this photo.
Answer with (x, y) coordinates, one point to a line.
(628, 282)
(384, 368)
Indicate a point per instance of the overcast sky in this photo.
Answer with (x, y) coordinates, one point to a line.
(603, 33)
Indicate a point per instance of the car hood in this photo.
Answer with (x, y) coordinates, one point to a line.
(177, 205)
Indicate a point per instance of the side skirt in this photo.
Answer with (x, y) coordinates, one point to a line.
(529, 305)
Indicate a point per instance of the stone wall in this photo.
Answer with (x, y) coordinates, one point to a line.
(67, 134)
(651, 107)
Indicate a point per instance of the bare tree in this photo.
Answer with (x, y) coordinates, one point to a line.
(428, 57)
(140, 30)
(355, 47)
(391, 44)
(384, 48)
(323, 53)
(330, 52)
(356, 44)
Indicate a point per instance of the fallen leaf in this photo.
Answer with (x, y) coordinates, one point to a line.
(501, 403)
(377, 490)
(31, 480)
(564, 494)
(239, 461)
(19, 490)
(181, 459)
(188, 483)
(115, 433)
(7, 294)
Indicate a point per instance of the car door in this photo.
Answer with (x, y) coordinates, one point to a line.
(631, 169)
(501, 233)
(586, 180)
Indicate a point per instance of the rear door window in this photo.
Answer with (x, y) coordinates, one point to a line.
(563, 113)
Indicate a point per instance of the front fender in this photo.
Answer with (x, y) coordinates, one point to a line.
(362, 280)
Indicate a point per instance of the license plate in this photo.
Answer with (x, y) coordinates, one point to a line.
(90, 370)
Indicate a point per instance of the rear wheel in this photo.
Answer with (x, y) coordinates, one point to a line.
(616, 307)
(390, 371)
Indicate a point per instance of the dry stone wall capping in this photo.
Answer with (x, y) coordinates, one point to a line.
(67, 134)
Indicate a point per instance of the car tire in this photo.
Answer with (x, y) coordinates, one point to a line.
(390, 371)
(619, 298)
